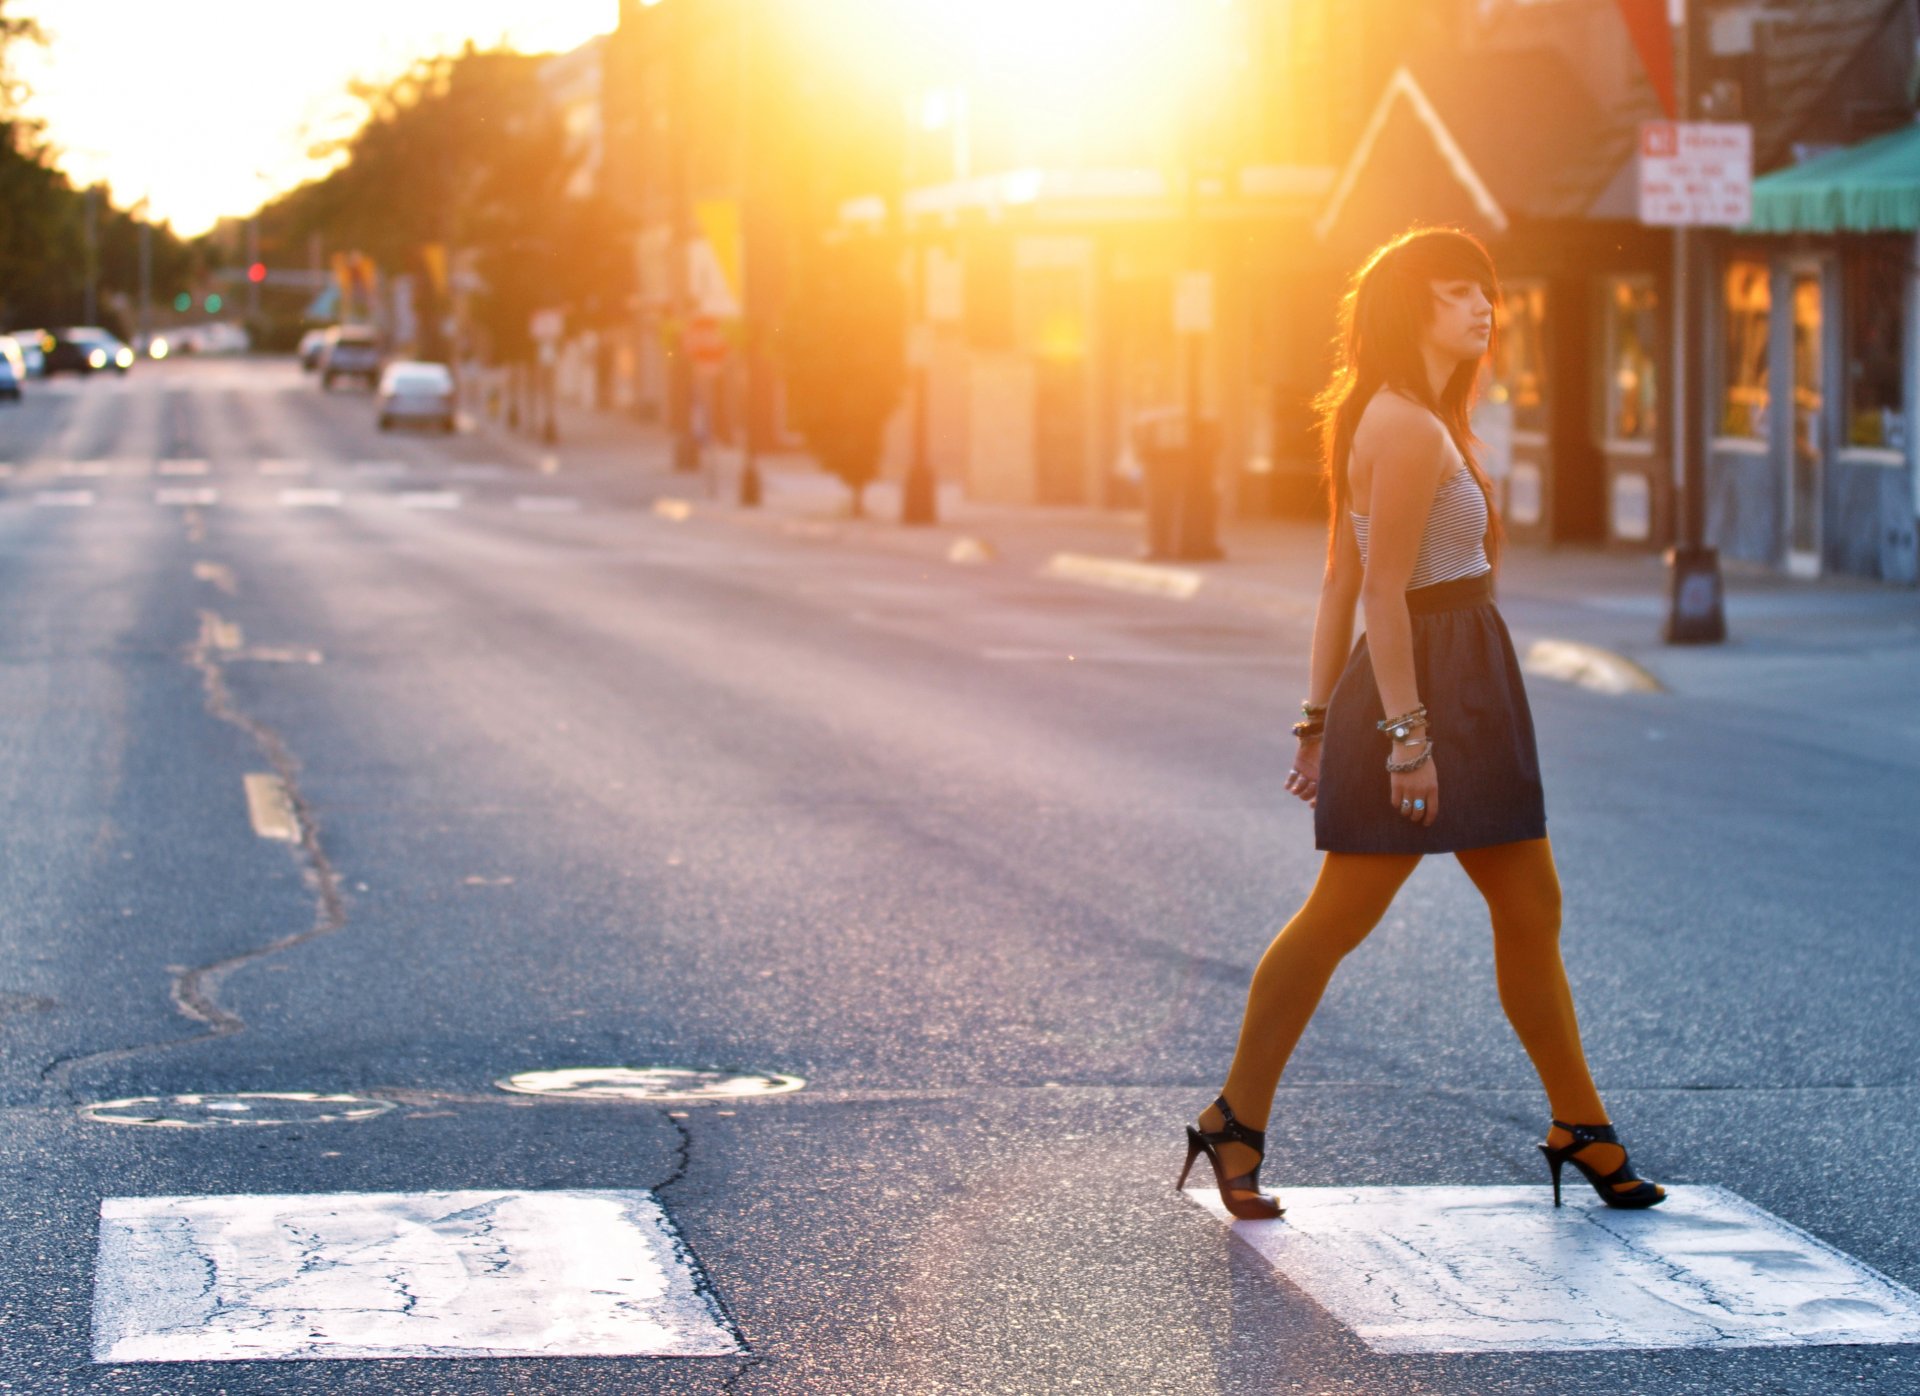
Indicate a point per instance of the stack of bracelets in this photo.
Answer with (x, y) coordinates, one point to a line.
(1315, 723)
(1401, 730)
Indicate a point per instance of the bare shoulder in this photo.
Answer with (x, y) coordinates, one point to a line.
(1392, 419)
(1400, 442)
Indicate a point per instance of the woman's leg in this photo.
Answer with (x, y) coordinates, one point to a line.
(1523, 895)
(1348, 899)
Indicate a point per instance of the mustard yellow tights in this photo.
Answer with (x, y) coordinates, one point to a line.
(1348, 899)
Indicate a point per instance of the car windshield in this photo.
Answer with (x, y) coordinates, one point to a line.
(420, 378)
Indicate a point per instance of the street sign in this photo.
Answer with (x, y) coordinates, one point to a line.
(1696, 173)
(706, 342)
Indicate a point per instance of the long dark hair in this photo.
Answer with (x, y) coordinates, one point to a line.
(1387, 306)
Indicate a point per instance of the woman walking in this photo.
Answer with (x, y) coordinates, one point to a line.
(1432, 686)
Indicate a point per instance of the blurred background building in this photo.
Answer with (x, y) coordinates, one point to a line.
(1100, 214)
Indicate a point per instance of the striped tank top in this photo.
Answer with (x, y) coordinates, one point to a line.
(1454, 543)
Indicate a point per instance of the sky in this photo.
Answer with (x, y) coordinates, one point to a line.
(210, 107)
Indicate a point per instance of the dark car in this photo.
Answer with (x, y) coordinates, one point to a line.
(84, 349)
(351, 351)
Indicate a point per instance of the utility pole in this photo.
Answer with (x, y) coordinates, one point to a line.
(749, 338)
(1696, 607)
(143, 333)
(919, 493)
(90, 214)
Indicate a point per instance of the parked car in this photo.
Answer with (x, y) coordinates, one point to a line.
(311, 343)
(84, 349)
(350, 351)
(13, 368)
(416, 392)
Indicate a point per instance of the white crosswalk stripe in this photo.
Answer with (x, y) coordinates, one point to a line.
(478, 1273)
(311, 499)
(186, 494)
(1500, 1269)
(67, 499)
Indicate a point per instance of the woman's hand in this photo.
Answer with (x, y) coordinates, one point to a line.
(1416, 794)
(1304, 779)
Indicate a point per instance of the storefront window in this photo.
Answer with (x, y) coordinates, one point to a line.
(1632, 385)
(1876, 409)
(1749, 303)
(1520, 361)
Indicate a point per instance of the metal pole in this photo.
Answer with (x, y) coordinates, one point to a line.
(749, 463)
(1696, 607)
(146, 280)
(90, 206)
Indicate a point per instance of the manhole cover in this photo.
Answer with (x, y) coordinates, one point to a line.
(242, 1108)
(649, 1083)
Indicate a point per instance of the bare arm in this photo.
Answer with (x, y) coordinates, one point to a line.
(1407, 454)
(1332, 640)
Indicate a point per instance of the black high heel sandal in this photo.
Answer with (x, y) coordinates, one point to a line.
(1646, 1195)
(1241, 1195)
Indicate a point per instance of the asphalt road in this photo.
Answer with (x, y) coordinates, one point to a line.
(985, 858)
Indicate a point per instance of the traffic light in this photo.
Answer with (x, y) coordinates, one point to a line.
(183, 302)
(213, 303)
(257, 273)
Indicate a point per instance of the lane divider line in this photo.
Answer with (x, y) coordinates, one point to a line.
(270, 808)
(311, 499)
(217, 575)
(1118, 574)
(1589, 666)
(219, 634)
(969, 551)
(200, 495)
(428, 499)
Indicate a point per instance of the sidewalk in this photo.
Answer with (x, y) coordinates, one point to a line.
(1585, 615)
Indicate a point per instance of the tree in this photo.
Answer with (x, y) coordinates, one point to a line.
(843, 344)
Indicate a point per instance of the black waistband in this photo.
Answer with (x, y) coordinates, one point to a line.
(1456, 595)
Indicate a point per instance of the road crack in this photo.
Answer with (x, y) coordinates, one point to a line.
(195, 989)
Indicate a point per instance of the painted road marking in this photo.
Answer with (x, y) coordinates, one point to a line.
(1017, 654)
(1500, 1269)
(546, 503)
(575, 1273)
(279, 654)
(216, 574)
(184, 467)
(648, 1083)
(219, 634)
(428, 499)
(310, 499)
(90, 468)
(1176, 583)
(1601, 670)
(64, 499)
(270, 808)
(284, 467)
(196, 495)
(972, 552)
(677, 510)
(243, 1108)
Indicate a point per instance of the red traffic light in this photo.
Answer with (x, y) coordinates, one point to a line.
(257, 272)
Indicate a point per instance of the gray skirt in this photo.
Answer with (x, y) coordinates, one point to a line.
(1469, 677)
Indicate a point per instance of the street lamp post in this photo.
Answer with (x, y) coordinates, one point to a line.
(749, 349)
(1696, 610)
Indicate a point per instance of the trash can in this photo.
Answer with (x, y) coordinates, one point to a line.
(1179, 483)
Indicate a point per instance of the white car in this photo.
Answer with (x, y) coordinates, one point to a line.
(416, 392)
(13, 367)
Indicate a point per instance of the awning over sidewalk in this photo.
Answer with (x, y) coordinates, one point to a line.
(1873, 187)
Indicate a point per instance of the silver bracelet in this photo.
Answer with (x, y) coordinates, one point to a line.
(1402, 767)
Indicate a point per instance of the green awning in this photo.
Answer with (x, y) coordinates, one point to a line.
(1873, 187)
